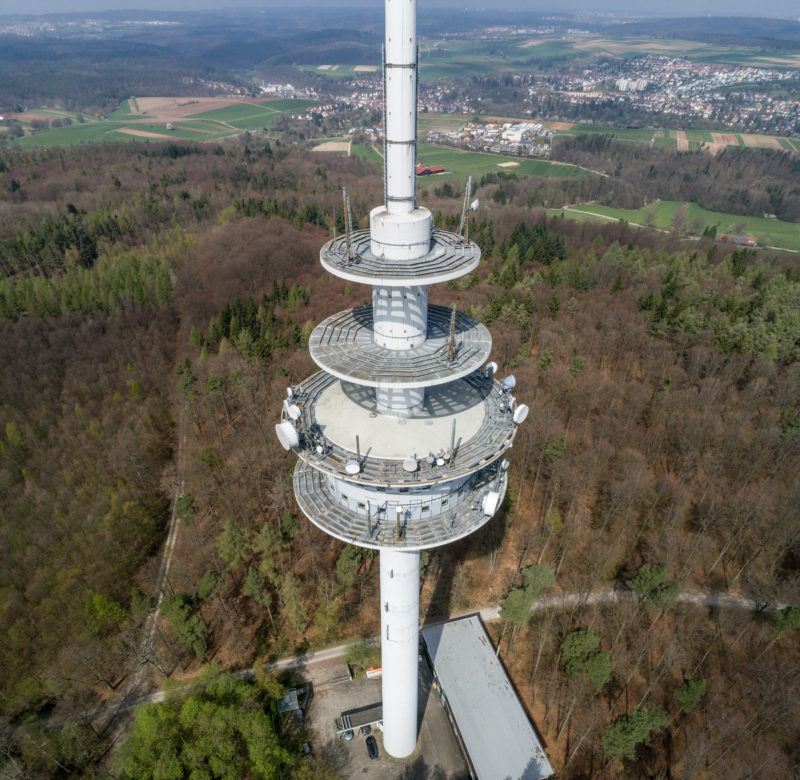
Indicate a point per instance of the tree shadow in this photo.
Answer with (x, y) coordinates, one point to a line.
(419, 770)
(439, 605)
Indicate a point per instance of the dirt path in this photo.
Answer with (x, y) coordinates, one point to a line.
(613, 219)
(491, 614)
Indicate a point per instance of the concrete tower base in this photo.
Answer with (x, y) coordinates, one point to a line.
(399, 649)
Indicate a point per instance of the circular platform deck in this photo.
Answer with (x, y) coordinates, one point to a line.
(449, 258)
(332, 413)
(311, 491)
(343, 345)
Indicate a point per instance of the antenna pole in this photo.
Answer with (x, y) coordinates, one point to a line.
(346, 228)
(467, 191)
(451, 354)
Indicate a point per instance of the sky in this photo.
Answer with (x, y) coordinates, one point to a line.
(784, 8)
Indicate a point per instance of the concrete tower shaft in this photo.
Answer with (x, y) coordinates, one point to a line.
(399, 649)
(400, 52)
(401, 435)
(399, 230)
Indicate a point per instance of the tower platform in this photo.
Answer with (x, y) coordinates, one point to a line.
(332, 412)
(449, 257)
(344, 345)
(318, 504)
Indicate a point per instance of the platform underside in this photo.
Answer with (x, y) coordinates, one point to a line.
(384, 440)
(318, 505)
(449, 258)
(343, 345)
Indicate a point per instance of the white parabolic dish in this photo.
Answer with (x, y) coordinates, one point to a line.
(287, 435)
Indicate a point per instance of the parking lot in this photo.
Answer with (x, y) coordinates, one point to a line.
(436, 755)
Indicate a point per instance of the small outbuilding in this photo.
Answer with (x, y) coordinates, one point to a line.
(496, 737)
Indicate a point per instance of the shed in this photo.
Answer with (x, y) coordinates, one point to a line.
(495, 735)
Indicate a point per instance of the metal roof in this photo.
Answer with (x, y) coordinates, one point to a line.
(500, 741)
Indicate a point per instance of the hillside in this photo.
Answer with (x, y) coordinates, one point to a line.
(157, 299)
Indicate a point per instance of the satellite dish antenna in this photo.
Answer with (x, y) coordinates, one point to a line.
(320, 449)
(490, 503)
(512, 403)
(289, 392)
(504, 464)
(520, 413)
(287, 435)
(410, 464)
(474, 205)
(509, 382)
(491, 369)
(286, 407)
(294, 411)
(440, 461)
(352, 467)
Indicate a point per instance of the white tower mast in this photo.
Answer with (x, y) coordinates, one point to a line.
(401, 435)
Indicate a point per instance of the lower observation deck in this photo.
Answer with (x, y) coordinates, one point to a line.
(449, 257)
(334, 412)
(344, 345)
(371, 530)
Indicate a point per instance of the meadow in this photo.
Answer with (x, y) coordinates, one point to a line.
(202, 126)
(770, 232)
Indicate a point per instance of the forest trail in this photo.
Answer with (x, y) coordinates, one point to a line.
(491, 614)
(166, 558)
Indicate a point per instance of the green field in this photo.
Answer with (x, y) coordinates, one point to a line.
(71, 135)
(462, 164)
(700, 136)
(367, 152)
(447, 122)
(203, 126)
(124, 111)
(659, 136)
(289, 106)
(238, 111)
(770, 232)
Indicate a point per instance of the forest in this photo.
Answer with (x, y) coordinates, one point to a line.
(738, 181)
(155, 302)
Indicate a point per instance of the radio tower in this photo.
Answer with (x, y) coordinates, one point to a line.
(400, 437)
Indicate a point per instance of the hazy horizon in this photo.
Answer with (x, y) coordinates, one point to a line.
(768, 8)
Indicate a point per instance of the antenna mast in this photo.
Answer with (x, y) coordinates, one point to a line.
(467, 191)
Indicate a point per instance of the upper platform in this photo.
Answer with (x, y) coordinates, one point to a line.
(343, 345)
(332, 414)
(449, 258)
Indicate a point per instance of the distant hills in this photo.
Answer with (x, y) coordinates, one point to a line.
(735, 30)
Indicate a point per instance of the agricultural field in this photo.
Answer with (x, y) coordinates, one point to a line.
(658, 136)
(770, 232)
(458, 58)
(195, 119)
(337, 71)
(461, 164)
(683, 140)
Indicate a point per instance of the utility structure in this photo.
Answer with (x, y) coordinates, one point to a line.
(401, 435)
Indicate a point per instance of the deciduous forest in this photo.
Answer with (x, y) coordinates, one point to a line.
(156, 300)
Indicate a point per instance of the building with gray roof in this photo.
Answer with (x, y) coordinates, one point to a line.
(496, 737)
